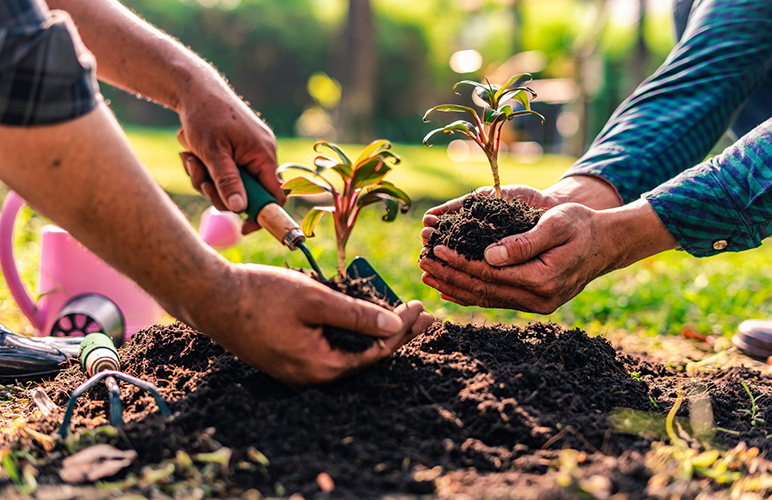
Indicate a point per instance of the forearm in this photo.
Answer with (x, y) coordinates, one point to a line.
(676, 116)
(83, 175)
(136, 57)
(632, 233)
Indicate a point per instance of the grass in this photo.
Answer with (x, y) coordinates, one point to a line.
(660, 295)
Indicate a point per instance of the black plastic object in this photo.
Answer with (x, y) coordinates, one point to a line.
(90, 313)
(32, 358)
(754, 338)
(360, 268)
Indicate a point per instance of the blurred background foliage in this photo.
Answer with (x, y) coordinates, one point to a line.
(351, 70)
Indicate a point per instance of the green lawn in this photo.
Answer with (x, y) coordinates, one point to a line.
(662, 294)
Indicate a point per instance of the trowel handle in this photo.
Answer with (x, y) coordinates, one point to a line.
(98, 353)
(263, 209)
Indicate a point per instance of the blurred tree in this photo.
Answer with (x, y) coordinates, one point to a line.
(357, 74)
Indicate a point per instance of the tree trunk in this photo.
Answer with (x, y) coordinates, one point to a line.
(355, 119)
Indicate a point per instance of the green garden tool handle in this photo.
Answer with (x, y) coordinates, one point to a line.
(98, 353)
(265, 210)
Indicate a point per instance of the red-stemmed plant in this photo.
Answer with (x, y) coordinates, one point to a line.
(362, 184)
(485, 129)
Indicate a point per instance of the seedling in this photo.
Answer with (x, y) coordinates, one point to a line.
(498, 108)
(363, 184)
(756, 420)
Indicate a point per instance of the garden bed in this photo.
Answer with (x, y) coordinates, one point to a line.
(463, 410)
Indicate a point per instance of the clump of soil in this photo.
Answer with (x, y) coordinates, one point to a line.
(359, 288)
(469, 409)
(481, 221)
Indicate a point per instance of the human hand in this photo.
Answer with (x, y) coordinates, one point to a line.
(226, 135)
(587, 190)
(275, 324)
(531, 196)
(543, 268)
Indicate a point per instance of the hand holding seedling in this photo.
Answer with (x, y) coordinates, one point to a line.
(541, 269)
(590, 191)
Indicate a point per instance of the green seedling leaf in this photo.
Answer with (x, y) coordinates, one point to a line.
(334, 147)
(387, 187)
(512, 80)
(476, 85)
(369, 173)
(458, 126)
(490, 115)
(449, 107)
(293, 166)
(487, 94)
(312, 218)
(303, 185)
(392, 206)
(372, 148)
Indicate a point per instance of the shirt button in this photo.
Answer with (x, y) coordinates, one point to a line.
(719, 245)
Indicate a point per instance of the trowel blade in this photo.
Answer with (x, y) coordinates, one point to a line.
(360, 268)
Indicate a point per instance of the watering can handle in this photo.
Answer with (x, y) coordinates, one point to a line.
(11, 207)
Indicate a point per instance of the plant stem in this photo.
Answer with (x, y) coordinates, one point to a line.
(494, 161)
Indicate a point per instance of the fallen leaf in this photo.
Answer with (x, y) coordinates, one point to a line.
(96, 462)
(41, 399)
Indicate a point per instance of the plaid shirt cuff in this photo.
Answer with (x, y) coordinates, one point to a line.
(724, 204)
(46, 74)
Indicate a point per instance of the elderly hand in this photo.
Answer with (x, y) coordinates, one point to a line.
(272, 319)
(225, 134)
(590, 191)
(541, 269)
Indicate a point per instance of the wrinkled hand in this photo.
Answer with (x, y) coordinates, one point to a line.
(543, 268)
(275, 325)
(528, 195)
(225, 134)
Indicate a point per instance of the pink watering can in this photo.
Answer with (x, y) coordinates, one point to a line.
(78, 292)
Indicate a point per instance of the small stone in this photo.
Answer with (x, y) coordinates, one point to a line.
(325, 482)
(720, 244)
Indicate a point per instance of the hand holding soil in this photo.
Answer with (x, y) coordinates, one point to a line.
(541, 269)
(276, 319)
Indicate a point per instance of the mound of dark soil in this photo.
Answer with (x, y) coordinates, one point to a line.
(480, 222)
(484, 409)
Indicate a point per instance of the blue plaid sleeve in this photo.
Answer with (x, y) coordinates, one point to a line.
(654, 139)
(676, 116)
(46, 74)
(723, 204)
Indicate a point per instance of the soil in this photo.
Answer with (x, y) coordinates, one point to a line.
(359, 288)
(480, 222)
(480, 411)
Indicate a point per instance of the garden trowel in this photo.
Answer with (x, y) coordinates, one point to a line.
(263, 209)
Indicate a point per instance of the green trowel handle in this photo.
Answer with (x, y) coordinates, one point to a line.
(257, 196)
(98, 353)
(263, 209)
